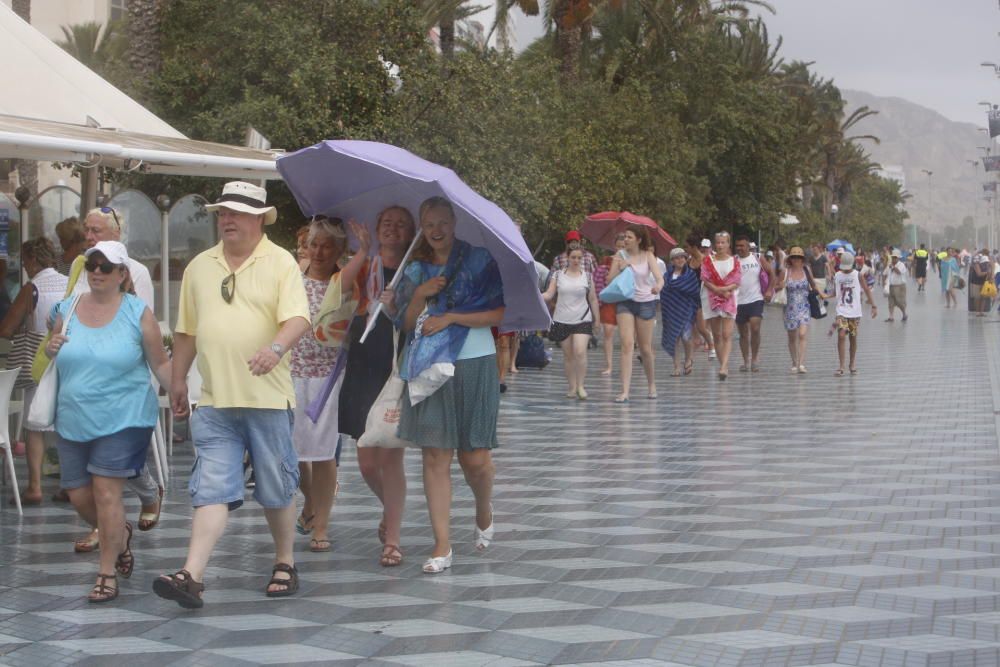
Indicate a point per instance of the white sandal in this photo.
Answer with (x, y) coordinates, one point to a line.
(484, 537)
(438, 565)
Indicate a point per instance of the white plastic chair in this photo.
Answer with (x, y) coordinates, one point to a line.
(7, 380)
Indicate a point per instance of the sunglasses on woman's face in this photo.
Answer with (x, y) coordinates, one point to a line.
(106, 267)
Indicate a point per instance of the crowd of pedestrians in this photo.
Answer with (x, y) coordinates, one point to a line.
(303, 354)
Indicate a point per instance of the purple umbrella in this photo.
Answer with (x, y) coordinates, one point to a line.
(357, 179)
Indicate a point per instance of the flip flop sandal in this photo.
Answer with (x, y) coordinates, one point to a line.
(126, 561)
(148, 520)
(101, 592)
(319, 546)
(302, 526)
(839, 373)
(181, 588)
(88, 544)
(392, 556)
(291, 584)
(688, 368)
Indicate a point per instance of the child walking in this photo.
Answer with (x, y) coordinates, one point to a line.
(847, 291)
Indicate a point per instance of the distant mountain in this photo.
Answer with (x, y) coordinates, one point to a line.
(917, 138)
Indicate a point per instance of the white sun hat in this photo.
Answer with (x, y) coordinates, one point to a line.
(246, 198)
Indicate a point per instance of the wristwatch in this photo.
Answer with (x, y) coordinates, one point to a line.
(278, 349)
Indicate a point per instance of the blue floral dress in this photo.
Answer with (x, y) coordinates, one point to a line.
(797, 308)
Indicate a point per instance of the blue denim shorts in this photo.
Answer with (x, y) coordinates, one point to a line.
(222, 435)
(644, 310)
(121, 454)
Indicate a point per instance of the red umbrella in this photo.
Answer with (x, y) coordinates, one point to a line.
(602, 229)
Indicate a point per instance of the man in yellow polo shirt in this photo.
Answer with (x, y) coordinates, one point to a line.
(242, 307)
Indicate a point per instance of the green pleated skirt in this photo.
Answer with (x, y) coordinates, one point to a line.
(462, 414)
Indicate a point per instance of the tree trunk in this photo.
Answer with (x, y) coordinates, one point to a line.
(22, 8)
(568, 40)
(446, 34)
(143, 28)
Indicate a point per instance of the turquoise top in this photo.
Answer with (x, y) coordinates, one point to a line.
(104, 382)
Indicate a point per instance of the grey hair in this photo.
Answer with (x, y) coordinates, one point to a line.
(332, 227)
(109, 218)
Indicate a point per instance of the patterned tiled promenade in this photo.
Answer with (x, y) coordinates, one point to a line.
(769, 520)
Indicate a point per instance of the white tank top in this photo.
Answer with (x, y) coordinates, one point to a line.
(644, 281)
(572, 305)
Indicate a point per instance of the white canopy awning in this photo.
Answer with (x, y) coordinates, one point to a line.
(40, 80)
(46, 140)
(52, 100)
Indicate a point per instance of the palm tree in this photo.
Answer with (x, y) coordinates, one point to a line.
(87, 42)
(23, 9)
(445, 14)
(144, 18)
(503, 17)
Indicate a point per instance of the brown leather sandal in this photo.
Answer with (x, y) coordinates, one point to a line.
(392, 556)
(101, 591)
(181, 588)
(126, 561)
(291, 584)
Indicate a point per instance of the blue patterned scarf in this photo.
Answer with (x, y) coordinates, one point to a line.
(472, 285)
(680, 299)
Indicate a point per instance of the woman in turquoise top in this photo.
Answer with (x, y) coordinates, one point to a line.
(949, 277)
(106, 407)
(447, 300)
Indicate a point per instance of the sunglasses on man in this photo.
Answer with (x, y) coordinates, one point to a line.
(107, 210)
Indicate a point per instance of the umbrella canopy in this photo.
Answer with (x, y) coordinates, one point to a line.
(837, 243)
(357, 179)
(603, 228)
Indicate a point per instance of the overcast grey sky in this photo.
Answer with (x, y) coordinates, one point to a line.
(926, 51)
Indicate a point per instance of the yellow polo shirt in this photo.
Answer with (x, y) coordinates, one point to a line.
(268, 292)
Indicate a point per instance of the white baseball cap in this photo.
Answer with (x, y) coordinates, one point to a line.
(705, 243)
(113, 251)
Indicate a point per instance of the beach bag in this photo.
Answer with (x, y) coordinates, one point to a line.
(989, 290)
(42, 414)
(885, 288)
(23, 346)
(622, 288)
(780, 297)
(959, 282)
(532, 352)
(817, 308)
(383, 418)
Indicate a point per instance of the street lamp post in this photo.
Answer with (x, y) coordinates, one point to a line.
(930, 204)
(976, 194)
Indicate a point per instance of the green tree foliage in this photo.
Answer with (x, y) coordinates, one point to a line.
(682, 110)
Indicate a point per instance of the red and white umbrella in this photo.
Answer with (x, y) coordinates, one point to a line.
(603, 228)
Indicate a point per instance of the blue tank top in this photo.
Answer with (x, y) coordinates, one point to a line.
(104, 382)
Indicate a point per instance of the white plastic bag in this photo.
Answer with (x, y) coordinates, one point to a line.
(430, 380)
(383, 418)
(42, 413)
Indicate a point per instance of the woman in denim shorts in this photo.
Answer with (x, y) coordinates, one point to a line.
(636, 315)
(106, 408)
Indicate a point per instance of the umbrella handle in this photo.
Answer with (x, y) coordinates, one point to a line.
(392, 285)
